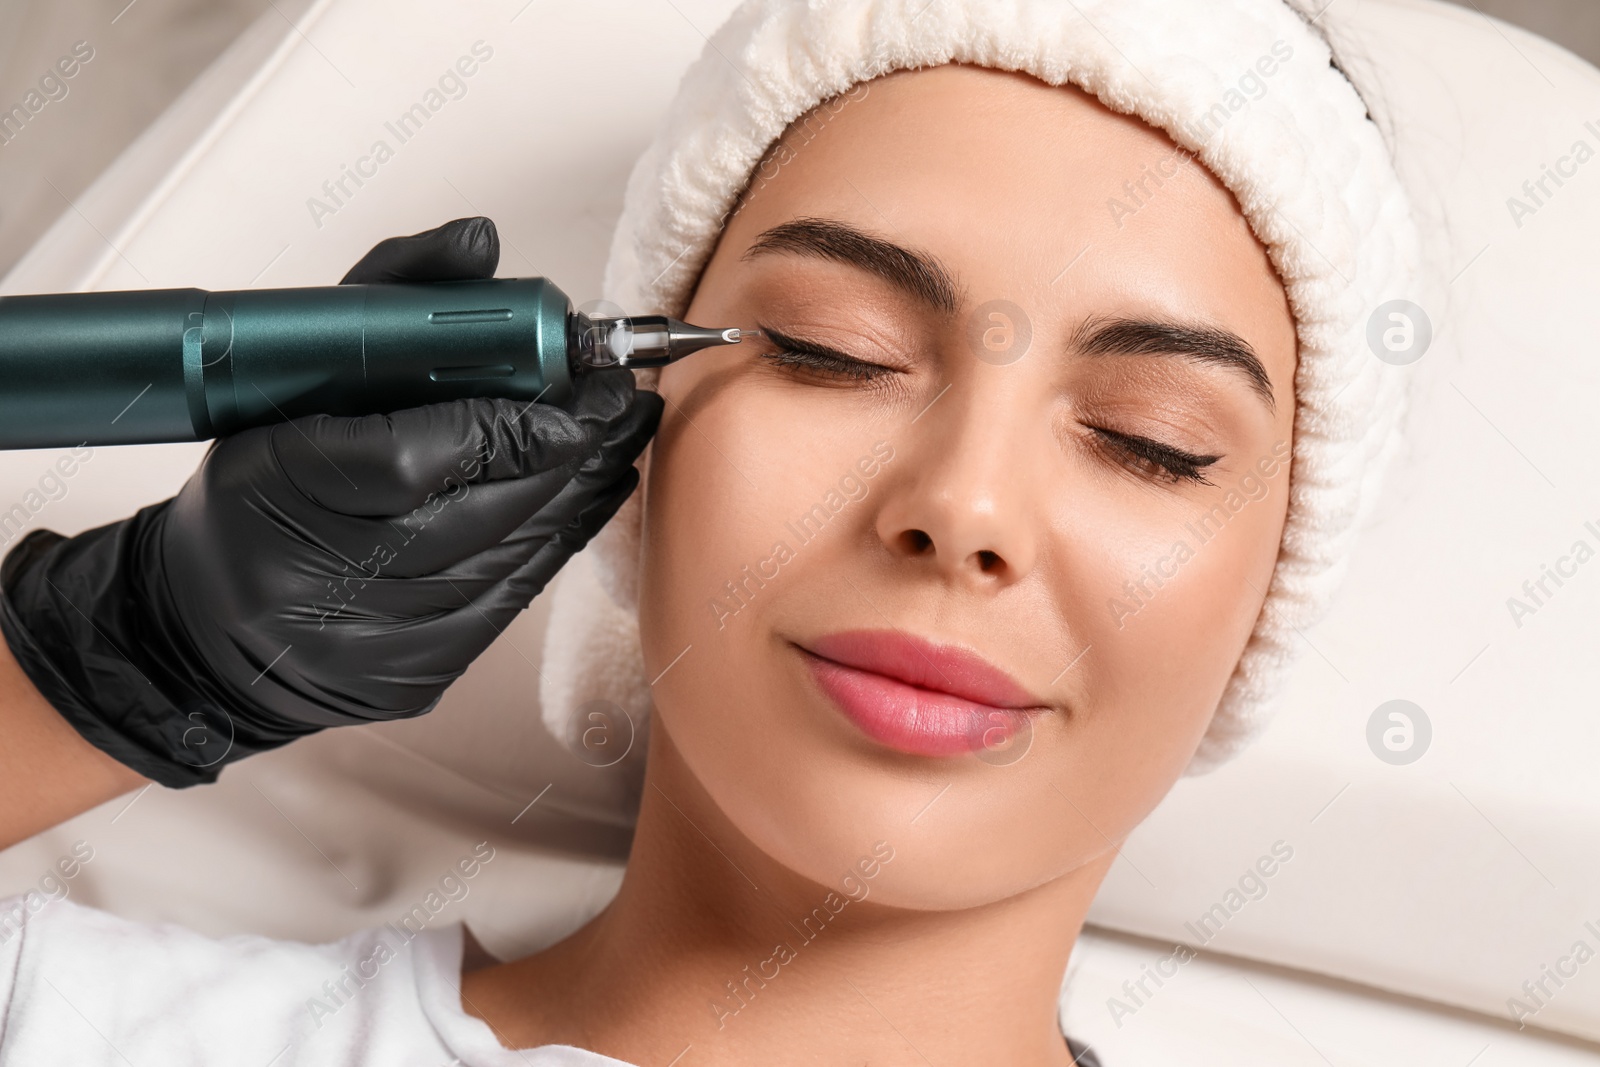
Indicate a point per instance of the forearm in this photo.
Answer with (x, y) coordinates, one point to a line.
(48, 773)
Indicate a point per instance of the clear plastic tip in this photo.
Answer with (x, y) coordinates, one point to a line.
(640, 341)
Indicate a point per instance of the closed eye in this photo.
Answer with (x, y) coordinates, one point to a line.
(1153, 459)
(819, 361)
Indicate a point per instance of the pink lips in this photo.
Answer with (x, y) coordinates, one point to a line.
(918, 697)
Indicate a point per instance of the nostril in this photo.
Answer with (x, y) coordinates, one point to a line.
(917, 541)
(988, 561)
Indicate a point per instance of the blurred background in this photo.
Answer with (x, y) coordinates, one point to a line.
(145, 53)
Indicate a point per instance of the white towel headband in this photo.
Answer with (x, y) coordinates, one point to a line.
(1307, 166)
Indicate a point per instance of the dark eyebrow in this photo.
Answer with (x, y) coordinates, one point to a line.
(1204, 344)
(916, 273)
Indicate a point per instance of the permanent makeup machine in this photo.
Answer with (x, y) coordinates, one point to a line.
(137, 367)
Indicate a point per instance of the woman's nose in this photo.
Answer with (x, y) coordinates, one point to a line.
(965, 502)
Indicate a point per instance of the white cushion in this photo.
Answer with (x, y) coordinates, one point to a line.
(1218, 1012)
(1454, 878)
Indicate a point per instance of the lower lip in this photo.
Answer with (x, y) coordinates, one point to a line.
(921, 722)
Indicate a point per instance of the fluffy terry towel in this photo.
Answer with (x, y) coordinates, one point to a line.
(1247, 85)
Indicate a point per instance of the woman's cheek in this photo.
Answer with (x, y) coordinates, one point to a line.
(1171, 616)
(695, 521)
(729, 479)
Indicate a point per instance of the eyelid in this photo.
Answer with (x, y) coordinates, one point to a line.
(848, 365)
(798, 344)
(1177, 464)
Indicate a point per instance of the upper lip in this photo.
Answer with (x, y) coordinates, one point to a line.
(944, 668)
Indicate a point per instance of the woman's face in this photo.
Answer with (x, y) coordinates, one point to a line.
(961, 556)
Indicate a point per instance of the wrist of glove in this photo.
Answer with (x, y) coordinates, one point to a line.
(105, 650)
(325, 571)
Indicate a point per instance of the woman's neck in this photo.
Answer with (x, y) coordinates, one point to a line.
(712, 947)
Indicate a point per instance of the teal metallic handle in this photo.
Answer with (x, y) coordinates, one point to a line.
(187, 365)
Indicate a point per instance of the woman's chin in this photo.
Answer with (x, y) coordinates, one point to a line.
(826, 802)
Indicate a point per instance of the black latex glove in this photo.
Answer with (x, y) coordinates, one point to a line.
(324, 571)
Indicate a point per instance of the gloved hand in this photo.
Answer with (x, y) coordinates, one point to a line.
(324, 571)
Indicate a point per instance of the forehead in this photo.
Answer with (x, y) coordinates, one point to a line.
(1033, 193)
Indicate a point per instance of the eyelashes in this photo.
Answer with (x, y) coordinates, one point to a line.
(1154, 459)
(820, 361)
(1146, 457)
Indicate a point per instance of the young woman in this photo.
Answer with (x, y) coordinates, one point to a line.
(940, 585)
(931, 686)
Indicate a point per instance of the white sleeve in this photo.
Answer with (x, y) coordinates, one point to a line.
(14, 912)
(85, 987)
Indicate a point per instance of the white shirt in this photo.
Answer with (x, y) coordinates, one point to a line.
(83, 987)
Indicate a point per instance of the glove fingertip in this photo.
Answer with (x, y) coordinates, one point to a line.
(481, 238)
(460, 250)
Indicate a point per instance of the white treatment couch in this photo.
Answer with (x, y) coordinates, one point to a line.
(1420, 897)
